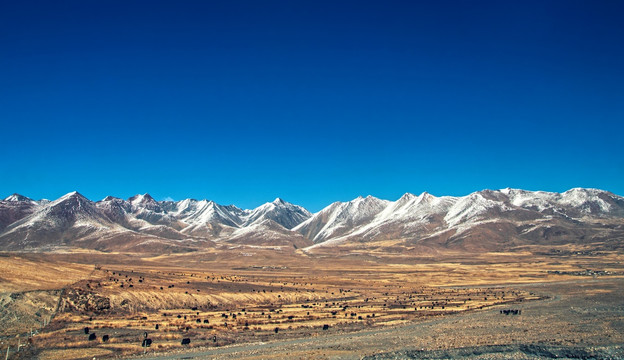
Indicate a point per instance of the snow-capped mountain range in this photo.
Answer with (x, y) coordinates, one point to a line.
(484, 220)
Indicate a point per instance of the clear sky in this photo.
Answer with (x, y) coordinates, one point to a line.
(312, 101)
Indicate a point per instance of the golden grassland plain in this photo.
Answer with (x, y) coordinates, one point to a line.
(250, 295)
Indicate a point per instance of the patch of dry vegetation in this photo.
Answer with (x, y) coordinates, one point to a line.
(24, 273)
(246, 300)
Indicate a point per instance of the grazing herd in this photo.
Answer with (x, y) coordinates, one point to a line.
(92, 336)
(329, 301)
(147, 342)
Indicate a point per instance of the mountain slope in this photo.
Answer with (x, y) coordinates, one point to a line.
(488, 220)
(267, 233)
(66, 220)
(15, 207)
(284, 213)
(491, 220)
(409, 216)
(340, 218)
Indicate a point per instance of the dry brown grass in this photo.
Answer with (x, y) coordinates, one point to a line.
(24, 273)
(298, 295)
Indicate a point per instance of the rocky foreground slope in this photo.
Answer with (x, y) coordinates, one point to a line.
(488, 220)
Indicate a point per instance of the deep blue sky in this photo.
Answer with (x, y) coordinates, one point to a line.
(317, 101)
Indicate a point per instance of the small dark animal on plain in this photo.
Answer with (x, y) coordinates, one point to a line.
(186, 341)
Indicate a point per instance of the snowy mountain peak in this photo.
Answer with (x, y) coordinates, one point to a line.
(406, 197)
(142, 199)
(339, 218)
(72, 195)
(17, 197)
(111, 198)
(582, 193)
(280, 211)
(362, 199)
(426, 197)
(73, 198)
(587, 200)
(279, 201)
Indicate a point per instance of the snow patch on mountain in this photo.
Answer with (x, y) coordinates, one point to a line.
(410, 218)
(472, 207)
(284, 213)
(19, 198)
(208, 212)
(341, 217)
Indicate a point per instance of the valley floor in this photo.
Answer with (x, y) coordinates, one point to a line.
(581, 319)
(263, 304)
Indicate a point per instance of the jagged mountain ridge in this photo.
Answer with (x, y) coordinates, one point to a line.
(73, 220)
(280, 211)
(340, 218)
(71, 217)
(483, 220)
(492, 219)
(14, 208)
